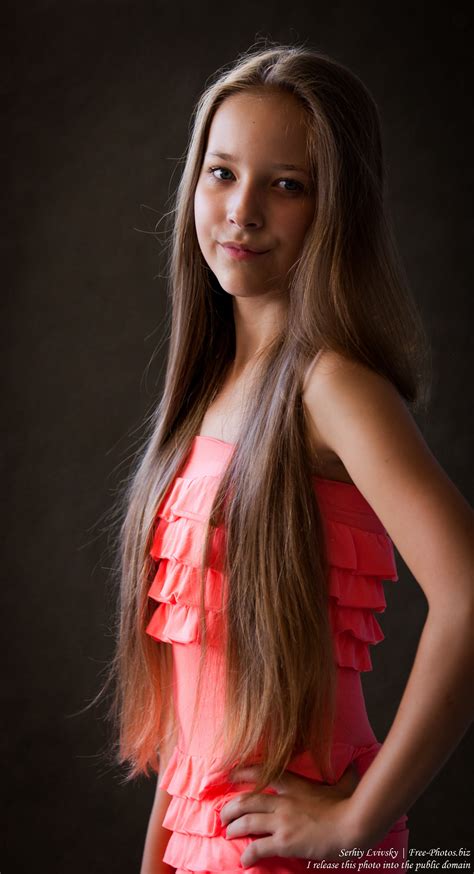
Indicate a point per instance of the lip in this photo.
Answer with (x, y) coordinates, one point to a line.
(241, 253)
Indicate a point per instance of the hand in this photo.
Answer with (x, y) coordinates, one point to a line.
(304, 819)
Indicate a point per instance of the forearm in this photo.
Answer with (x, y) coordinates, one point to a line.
(434, 713)
(157, 837)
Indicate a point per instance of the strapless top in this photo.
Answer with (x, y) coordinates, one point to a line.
(360, 555)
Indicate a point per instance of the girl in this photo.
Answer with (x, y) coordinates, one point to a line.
(282, 464)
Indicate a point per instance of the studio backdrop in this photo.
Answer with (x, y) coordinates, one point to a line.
(99, 97)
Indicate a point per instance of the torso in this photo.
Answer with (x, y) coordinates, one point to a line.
(222, 420)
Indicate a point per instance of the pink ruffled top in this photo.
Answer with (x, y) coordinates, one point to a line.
(360, 555)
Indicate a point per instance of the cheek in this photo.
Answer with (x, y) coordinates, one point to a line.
(204, 210)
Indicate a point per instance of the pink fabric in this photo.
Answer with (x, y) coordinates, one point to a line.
(360, 556)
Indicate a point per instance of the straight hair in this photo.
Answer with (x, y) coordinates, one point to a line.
(348, 293)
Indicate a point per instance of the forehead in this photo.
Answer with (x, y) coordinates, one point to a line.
(272, 122)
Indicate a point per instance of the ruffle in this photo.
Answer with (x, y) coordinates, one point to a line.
(359, 560)
(202, 855)
(196, 853)
(202, 777)
(194, 777)
(199, 790)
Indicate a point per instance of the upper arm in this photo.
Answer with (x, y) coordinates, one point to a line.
(363, 419)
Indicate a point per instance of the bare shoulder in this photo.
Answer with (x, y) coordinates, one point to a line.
(337, 387)
(361, 416)
(334, 385)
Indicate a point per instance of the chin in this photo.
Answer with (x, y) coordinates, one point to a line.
(238, 291)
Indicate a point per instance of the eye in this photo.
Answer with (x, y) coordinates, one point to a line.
(299, 186)
(295, 187)
(213, 170)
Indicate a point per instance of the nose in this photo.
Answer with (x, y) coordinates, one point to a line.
(244, 208)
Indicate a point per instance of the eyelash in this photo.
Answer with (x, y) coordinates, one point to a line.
(300, 189)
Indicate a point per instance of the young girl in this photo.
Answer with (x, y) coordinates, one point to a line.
(281, 465)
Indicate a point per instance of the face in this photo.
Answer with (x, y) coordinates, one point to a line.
(254, 189)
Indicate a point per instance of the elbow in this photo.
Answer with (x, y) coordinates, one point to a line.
(454, 620)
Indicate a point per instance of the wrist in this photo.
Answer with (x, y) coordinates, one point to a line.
(357, 831)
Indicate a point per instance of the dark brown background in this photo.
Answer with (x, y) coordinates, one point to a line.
(99, 98)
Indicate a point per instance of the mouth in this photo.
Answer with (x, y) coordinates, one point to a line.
(240, 253)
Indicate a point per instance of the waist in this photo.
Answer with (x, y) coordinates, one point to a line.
(351, 726)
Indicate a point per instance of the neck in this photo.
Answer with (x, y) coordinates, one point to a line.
(257, 321)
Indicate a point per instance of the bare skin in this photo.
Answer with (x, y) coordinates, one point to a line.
(157, 837)
(248, 200)
(223, 421)
(368, 437)
(363, 419)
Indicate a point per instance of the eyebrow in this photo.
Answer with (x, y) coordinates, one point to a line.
(227, 157)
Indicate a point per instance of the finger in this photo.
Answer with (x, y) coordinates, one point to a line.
(246, 803)
(258, 850)
(249, 824)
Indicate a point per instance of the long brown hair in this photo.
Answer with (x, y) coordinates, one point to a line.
(347, 293)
